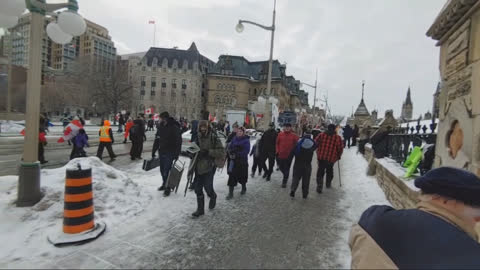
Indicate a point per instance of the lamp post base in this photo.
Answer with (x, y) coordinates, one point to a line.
(29, 184)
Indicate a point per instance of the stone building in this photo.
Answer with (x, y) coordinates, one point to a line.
(407, 107)
(238, 84)
(457, 30)
(171, 80)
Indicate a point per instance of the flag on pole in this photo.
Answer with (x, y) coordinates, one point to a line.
(151, 22)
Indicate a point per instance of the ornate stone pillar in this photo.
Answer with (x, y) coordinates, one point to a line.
(457, 30)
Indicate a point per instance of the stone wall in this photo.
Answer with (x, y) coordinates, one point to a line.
(400, 191)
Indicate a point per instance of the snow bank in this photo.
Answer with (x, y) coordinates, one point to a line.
(10, 127)
(116, 198)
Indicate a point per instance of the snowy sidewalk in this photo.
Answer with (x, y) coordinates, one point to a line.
(263, 229)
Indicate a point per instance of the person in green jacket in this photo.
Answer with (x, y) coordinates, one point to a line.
(211, 148)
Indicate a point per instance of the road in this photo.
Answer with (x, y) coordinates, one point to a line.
(57, 154)
(263, 229)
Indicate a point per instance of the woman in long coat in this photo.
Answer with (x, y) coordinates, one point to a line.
(238, 165)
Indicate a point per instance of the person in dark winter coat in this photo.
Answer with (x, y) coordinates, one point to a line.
(330, 149)
(302, 169)
(211, 148)
(347, 136)
(150, 123)
(443, 231)
(268, 150)
(238, 164)
(257, 160)
(379, 141)
(137, 136)
(121, 123)
(286, 142)
(355, 135)
(79, 142)
(168, 143)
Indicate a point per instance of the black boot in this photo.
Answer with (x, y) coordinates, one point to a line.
(230, 193)
(265, 175)
(244, 189)
(268, 177)
(284, 183)
(167, 191)
(200, 207)
(212, 202)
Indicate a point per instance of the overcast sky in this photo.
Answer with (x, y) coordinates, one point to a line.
(380, 41)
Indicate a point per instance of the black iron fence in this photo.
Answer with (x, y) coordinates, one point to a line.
(397, 143)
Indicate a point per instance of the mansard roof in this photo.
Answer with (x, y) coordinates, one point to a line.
(241, 67)
(191, 55)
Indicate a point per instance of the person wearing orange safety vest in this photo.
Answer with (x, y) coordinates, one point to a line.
(106, 140)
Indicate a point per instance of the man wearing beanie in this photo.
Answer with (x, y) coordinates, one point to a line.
(168, 143)
(442, 232)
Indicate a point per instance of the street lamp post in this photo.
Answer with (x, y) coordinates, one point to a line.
(271, 28)
(69, 24)
(315, 93)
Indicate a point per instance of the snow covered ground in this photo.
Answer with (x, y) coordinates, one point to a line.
(10, 127)
(263, 229)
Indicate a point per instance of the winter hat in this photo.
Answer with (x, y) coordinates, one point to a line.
(235, 125)
(242, 129)
(460, 185)
(164, 115)
(202, 123)
(331, 127)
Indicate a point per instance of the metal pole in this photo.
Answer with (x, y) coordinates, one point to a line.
(29, 176)
(269, 80)
(154, 33)
(339, 174)
(10, 87)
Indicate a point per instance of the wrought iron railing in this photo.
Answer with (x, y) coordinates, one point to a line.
(400, 141)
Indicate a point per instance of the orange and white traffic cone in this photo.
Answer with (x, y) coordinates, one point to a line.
(78, 214)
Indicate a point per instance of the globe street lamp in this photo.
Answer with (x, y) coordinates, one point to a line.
(69, 24)
(240, 27)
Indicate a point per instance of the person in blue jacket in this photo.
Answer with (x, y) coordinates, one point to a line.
(238, 150)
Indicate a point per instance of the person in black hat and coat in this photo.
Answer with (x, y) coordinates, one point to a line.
(268, 150)
(442, 232)
(168, 143)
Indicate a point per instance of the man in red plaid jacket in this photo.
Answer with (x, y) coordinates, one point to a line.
(330, 149)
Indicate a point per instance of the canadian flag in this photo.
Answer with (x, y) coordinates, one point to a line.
(149, 111)
(71, 131)
(156, 117)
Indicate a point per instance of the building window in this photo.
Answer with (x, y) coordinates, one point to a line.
(142, 92)
(174, 83)
(184, 84)
(154, 82)
(164, 82)
(152, 92)
(164, 93)
(144, 68)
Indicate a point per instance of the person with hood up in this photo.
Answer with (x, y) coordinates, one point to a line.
(267, 150)
(330, 149)
(128, 126)
(238, 151)
(302, 168)
(257, 160)
(168, 143)
(79, 142)
(286, 142)
(137, 136)
(106, 141)
(442, 232)
(211, 148)
(347, 135)
(233, 134)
